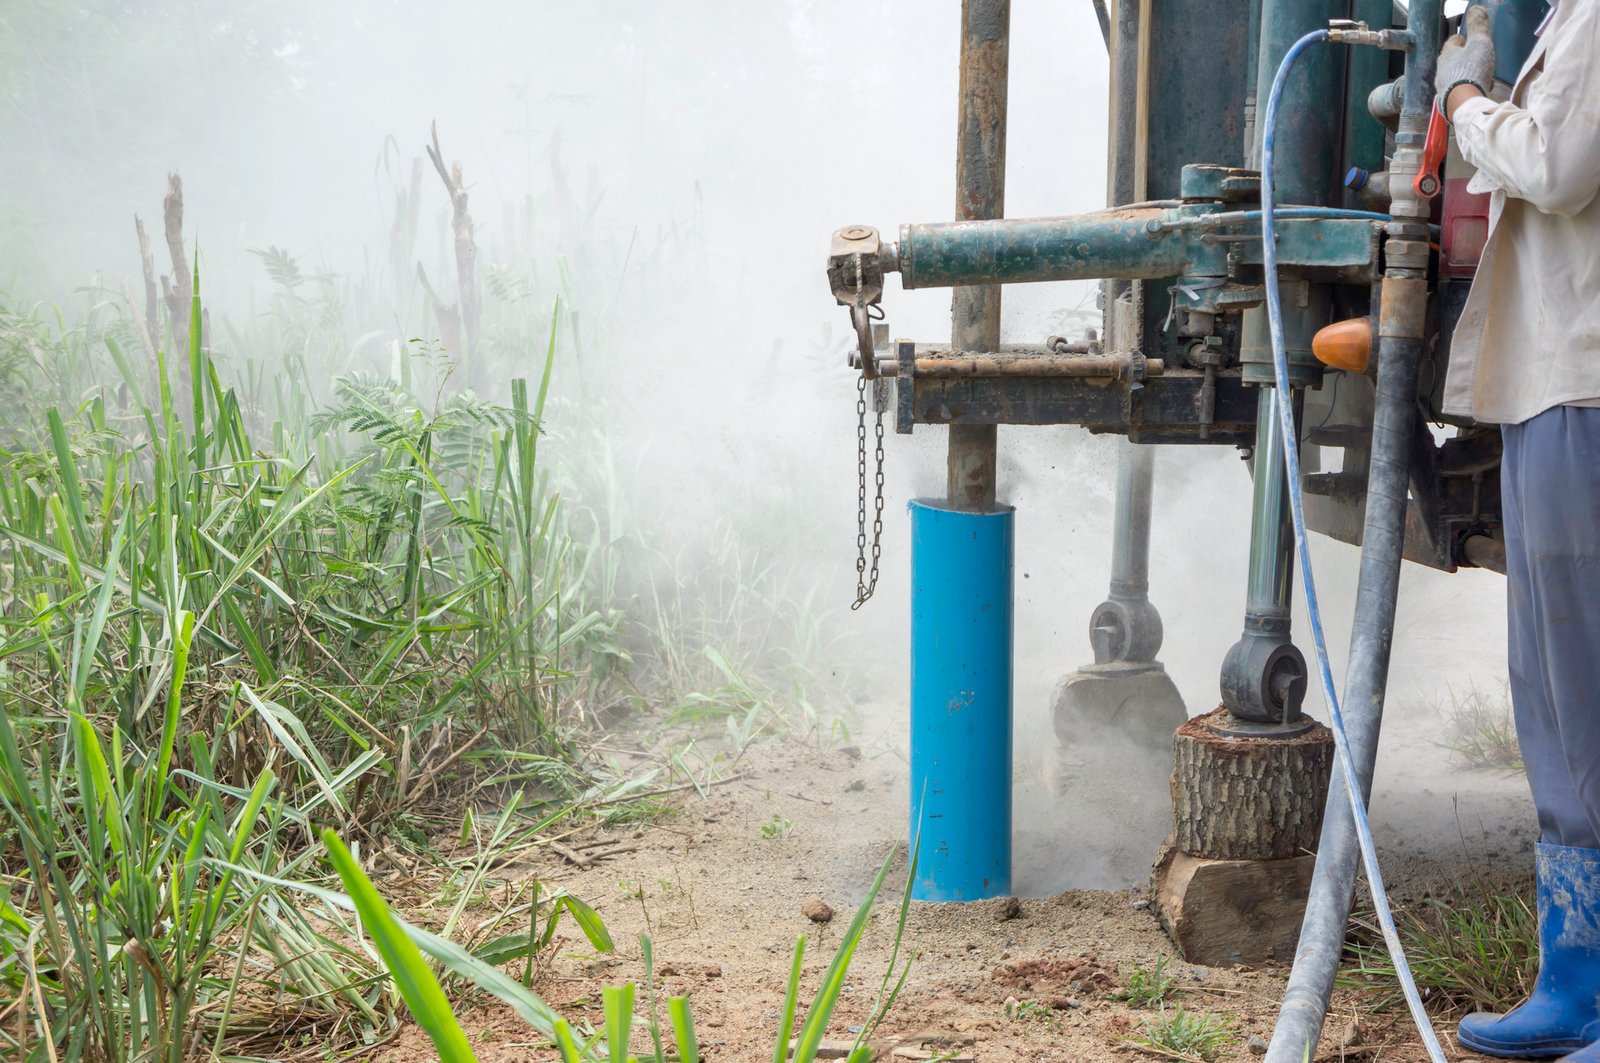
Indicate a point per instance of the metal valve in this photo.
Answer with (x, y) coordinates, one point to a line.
(1350, 31)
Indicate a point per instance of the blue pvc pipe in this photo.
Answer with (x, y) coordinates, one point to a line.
(961, 702)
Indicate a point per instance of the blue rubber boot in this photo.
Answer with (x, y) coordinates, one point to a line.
(1563, 1014)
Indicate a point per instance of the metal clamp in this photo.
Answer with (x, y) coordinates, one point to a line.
(855, 273)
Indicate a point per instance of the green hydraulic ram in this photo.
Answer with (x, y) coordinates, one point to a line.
(1114, 244)
(1196, 240)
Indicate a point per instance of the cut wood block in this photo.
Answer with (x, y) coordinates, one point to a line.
(1248, 798)
(1225, 912)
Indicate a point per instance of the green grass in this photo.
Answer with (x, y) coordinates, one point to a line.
(1472, 948)
(1146, 987)
(1480, 730)
(1030, 1011)
(1185, 1035)
(239, 605)
(402, 948)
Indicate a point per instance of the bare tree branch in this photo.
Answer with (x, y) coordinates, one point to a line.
(466, 248)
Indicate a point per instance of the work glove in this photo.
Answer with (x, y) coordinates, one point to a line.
(1467, 59)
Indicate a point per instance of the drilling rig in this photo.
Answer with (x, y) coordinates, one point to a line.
(1376, 239)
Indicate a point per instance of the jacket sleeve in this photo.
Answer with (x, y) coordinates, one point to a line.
(1548, 151)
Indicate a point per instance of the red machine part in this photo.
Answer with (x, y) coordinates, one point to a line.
(1465, 225)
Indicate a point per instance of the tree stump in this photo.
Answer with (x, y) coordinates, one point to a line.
(1248, 798)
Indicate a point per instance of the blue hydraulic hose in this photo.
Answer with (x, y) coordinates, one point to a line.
(1291, 461)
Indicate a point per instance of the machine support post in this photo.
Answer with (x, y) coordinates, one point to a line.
(1125, 628)
(1247, 777)
(980, 195)
(1264, 675)
(1124, 700)
(1135, 629)
(961, 555)
(1130, 550)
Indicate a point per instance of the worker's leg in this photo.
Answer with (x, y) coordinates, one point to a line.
(1553, 464)
(1550, 484)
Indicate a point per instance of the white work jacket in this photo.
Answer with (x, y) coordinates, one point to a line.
(1529, 337)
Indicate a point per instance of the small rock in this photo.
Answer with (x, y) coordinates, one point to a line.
(1257, 1045)
(1008, 908)
(1141, 904)
(713, 971)
(816, 910)
(856, 786)
(853, 752)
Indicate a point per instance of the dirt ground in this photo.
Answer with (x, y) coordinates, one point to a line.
(720, 885)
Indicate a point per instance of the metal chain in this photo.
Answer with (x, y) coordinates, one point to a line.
(867, 577)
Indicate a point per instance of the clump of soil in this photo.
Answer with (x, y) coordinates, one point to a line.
(1075, 976)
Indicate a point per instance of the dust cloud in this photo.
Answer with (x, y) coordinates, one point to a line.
(673, 171)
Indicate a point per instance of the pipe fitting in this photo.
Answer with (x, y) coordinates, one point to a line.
(1404, 308)
(1386, 102)
(1482, 550)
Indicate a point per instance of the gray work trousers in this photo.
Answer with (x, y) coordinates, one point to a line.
(1550, 492)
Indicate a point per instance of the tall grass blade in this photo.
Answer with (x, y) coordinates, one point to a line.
(411, 973)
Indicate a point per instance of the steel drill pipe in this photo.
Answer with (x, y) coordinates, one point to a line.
(1127, 180)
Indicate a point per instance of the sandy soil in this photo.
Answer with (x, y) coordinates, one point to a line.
(722, 899)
